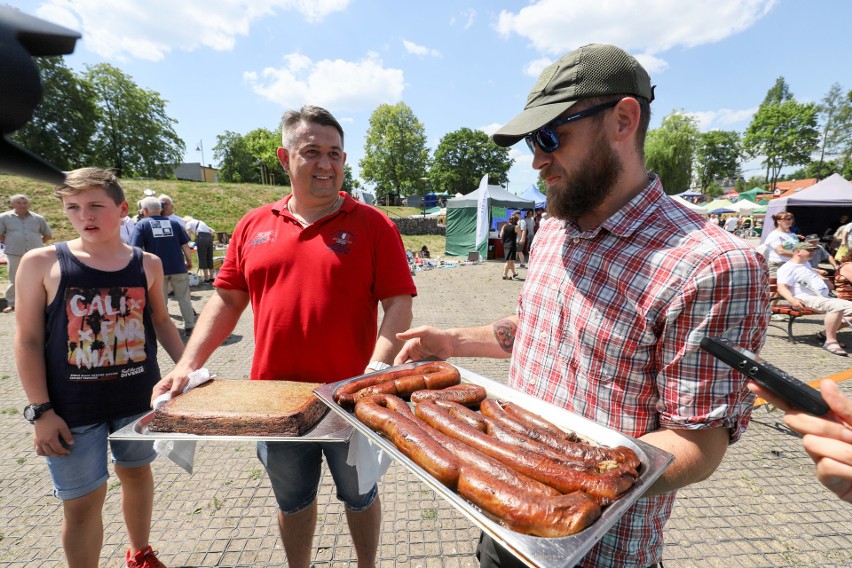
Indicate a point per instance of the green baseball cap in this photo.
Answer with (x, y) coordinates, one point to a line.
(593, 70)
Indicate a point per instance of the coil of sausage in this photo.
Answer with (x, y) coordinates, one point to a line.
(399, 382)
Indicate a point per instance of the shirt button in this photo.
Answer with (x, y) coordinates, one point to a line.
(543, 334)
(576, 240)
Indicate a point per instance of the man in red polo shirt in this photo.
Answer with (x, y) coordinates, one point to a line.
(314, 266)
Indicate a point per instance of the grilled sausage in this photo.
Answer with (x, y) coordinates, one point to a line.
(411, 440)
(554, 516)
(604, 487)
(402, 382)
(588, 453)
(466, 394)
(522, 504)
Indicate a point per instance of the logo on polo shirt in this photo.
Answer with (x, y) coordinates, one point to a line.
(341, 242)
(262, 237)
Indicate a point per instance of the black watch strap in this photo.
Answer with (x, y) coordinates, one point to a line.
(33, 412)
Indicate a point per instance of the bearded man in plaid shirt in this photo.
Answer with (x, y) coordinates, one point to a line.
(624, 286)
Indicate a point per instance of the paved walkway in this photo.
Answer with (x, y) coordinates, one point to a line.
(762, 508)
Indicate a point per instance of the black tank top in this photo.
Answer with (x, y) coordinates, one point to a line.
(100, 344)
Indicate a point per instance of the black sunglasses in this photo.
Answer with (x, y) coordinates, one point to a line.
(546, 139)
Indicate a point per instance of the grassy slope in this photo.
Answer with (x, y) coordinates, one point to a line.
(219, 205)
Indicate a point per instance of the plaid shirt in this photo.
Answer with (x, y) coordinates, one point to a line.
(609, 325)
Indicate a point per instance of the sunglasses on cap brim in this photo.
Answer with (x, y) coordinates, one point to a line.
(546, 139)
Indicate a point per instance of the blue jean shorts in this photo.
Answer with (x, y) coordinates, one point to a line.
(85, 468)
(294, 470)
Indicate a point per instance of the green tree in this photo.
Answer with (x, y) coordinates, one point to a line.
(716, 156)
(756, 181)
(779, 93)
(349, 181)
(836, 113)
(819, 170)
(669, 151)
(785, 134)
(714, 190)
(263, 144)
(395, 154)
(463, 157)
(135, 136)
(236, 162)
(65, 121)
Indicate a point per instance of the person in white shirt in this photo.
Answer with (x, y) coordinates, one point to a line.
(775, 243)
(126, 229)
(521, 240)
(731, 224)
(803, 287)
(529, 222)
(202, 234)
(169, 211)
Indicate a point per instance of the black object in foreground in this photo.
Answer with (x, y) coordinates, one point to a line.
(792, 390)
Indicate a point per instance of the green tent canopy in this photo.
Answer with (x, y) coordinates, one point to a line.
(752, 194)
(461, 217)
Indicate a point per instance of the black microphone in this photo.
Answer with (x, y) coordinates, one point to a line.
(22, 37)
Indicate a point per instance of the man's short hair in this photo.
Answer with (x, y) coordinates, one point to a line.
(308, 114)
(152, 204)
(19, 197)
(88, 179)
(166, 198)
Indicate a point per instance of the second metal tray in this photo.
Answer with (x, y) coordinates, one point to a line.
(532, 550)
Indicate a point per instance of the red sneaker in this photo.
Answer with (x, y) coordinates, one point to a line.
(145, 558)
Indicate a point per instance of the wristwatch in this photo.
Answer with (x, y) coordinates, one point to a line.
(33, 412)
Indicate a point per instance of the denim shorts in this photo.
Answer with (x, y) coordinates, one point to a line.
(85, 468)
(294, 470)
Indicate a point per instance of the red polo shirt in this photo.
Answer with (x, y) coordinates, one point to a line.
(315, 290)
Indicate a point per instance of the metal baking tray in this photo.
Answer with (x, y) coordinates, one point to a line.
(532, 550)
(332, 428)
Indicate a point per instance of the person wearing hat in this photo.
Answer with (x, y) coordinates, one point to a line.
(804, 287)
(625, 284)
(821, 255)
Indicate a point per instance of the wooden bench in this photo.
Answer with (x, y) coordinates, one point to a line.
(780, 306)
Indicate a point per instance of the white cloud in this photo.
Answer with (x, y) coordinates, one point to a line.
(344, 86)
(535, 67)
(121, 30)
(644, 28)
(722, 118)
(420, 50)
(467, 17)
(490, 129)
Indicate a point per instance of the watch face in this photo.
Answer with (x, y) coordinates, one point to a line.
(29, 413)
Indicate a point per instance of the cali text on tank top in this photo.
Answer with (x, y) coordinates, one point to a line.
(100, 344)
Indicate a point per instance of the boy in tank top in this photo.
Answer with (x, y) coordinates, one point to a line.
(89, 314)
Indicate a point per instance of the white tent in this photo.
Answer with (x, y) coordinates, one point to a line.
(745, 206)
(689, 205)
(833, 191)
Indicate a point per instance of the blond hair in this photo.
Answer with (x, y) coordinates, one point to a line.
(88, 179)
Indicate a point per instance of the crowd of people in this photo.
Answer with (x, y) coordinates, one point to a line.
(623, 285)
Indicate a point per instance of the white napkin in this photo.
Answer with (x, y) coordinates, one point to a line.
(370, 461)
(182, 452)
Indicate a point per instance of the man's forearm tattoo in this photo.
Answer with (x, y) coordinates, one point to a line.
(504, 332)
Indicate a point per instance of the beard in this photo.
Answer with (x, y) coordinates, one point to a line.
(588, 187)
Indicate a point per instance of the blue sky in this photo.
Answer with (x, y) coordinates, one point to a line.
(239, 64)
